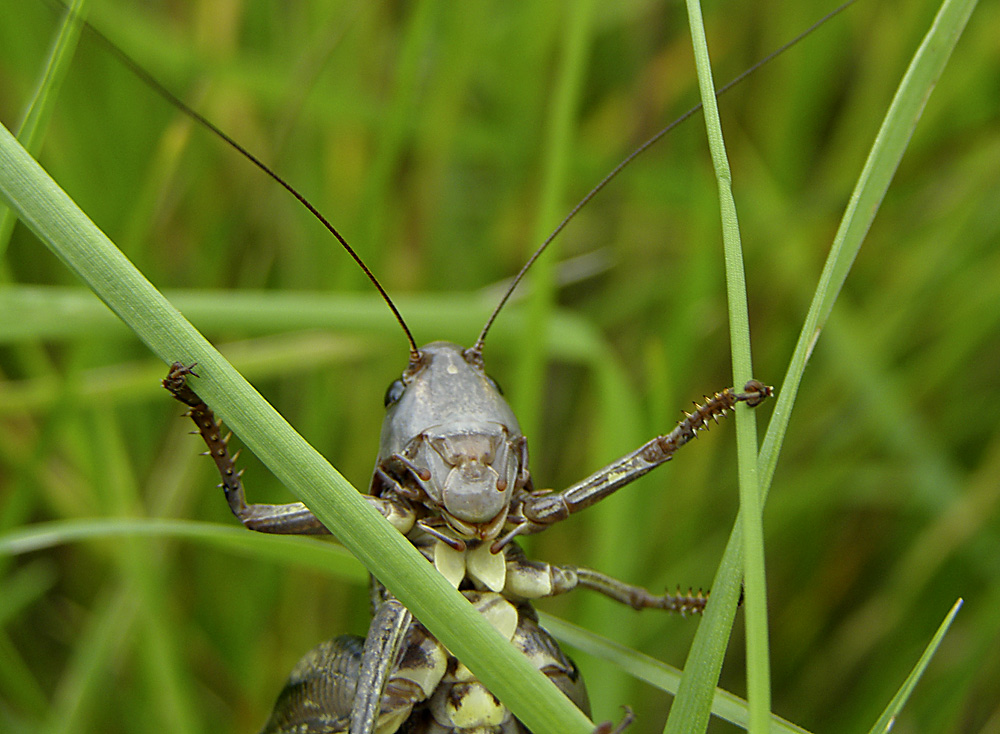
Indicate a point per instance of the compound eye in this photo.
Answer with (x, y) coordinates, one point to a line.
(495, 384)
(394, 393)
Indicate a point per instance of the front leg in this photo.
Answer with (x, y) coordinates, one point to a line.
(293, 518)
(536, 511)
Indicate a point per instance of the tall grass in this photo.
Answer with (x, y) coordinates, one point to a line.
(423, 151)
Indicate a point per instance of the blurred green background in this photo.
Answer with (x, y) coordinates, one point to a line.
(424, 131)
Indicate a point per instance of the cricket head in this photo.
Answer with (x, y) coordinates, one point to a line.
(451, 442)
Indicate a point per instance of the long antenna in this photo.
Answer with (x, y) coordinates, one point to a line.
(160, 89)
(477, 348)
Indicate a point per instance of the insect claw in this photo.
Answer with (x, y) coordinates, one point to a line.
(453, 543)
(755, 392)
(627, 719)
(500, 543)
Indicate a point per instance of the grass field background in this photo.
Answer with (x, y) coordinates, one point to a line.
(428, 134)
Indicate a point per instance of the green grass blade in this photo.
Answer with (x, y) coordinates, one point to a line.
(67, 313)
(725, 705)
(704, 661)
(693, 707)
(289, 549)
(890, 143)
(87, 252)
(39, 110)
(888, 718)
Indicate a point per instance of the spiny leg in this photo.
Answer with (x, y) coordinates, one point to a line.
(539, 510)
(693, 602)
(290, 519)
(527, 578)
(293, 518)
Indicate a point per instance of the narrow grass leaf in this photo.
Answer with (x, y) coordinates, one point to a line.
(685, 716)
(901, 118)
(890, 143)
(885, 722)
(725, 705)
(39, 109)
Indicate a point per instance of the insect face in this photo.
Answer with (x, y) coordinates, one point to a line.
(460, 445)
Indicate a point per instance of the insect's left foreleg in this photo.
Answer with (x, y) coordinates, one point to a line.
(538, 510)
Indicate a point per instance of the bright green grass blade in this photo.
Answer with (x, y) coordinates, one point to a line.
(87, 252)
(704, 660)
(289, 549)
(725, 705)
(885, 722)
(758, 665)
(890, 143)
(39, 111)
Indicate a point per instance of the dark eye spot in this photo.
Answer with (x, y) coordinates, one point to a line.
(496, 385)
(394, 393)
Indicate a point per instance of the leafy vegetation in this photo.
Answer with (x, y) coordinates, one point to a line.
(444, 146)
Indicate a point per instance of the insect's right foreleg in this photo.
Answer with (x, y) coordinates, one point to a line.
(293, 518)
